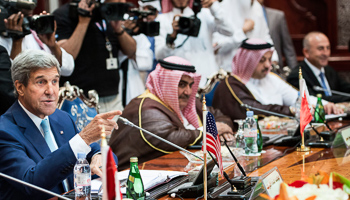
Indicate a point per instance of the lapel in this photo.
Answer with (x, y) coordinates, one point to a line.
(309, 75)
(30, 131)
(57, 129)
(329, 76)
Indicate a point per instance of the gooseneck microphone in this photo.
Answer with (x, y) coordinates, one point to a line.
(268, 112)
(32, 186)
(127, 122)
(321, 89)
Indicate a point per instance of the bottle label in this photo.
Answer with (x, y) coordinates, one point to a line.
(251, 133)
(83, 180)
(131, 179)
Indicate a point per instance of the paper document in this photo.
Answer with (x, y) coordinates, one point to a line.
(151, 178)
(332, 116)
(96, 185)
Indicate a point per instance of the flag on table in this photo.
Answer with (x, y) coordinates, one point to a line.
(212, 140)
(305, 113)
(110, 181)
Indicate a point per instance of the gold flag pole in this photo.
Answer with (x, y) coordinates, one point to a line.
(204, 108)
(302, 147)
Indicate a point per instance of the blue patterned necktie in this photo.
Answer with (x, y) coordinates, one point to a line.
(326, 91)
(51, 143)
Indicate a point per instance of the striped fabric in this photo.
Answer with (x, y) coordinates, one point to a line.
(246, 60)
(164, 84)
(167, 5)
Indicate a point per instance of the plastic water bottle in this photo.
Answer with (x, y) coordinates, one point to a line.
(240, 135)
(250, 134)
(82, 178)
(297, 107)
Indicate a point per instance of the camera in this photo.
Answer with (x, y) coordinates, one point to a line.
(42, 24)
(107, 11)
(190, 25)
(145, 27)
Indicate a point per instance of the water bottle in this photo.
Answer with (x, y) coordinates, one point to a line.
(135, 186)
(297, 107)
(250, 134)
(259, 140)
(82, 178)
(320, 114)
(240, 135)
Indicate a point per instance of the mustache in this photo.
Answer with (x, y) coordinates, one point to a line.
(184, 96)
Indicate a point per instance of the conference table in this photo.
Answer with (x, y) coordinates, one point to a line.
(291, 164)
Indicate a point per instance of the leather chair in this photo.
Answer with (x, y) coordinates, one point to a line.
(73, 101)
(209, 89)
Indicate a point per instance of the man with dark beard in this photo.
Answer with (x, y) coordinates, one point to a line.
(252, 83)
(167, 108)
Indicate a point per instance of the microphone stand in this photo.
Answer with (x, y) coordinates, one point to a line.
(33, 186)
(234, 157)
(268, 112)
(127, 122)
(320, 89)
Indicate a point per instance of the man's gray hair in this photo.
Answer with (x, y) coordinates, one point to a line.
(306, 40)
(29, 61)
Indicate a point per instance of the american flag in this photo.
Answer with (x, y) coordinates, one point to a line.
(213, 140)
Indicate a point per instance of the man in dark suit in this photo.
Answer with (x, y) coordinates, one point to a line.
(6, 86)
(39, 143)
(316, 71)
(279, 32)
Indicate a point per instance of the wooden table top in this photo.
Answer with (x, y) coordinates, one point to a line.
(291, 164)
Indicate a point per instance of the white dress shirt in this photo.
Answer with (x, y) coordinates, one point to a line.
(77, 144)
(317, 73)
(29, 42)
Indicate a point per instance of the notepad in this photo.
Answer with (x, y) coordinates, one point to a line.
(151, 178)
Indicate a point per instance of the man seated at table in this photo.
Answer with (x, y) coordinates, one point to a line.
(167, 108)
(39, 143)
(252, 83)
(316, 70)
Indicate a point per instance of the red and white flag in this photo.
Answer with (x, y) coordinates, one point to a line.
(305, 112)
(110, 181)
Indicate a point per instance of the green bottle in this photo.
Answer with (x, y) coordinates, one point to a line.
(259, 139)
(135, 185)
(319, 110)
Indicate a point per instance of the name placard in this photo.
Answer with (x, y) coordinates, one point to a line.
(346, 137)
(272, 181)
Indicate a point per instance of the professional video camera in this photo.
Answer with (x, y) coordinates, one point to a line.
(107, 11)
(145, 27)
(190, 25)
(42, 24)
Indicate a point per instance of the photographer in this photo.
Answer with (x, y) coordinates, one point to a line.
(198, 50)
(45, 42)
(94, 43)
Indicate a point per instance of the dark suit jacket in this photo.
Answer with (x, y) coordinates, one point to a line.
(6, 85)
(279, 32)
(25, 155)
(334, 81)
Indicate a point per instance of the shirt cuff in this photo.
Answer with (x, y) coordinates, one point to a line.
(67, 67)
(77, 144)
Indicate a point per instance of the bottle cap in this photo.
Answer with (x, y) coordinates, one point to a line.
(81, 155)
(133, 159)
(319, 95)
(250, 113)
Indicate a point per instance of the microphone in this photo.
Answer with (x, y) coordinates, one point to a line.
(127, 122)
(321, 89)
(32, 186)
(268, 112)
